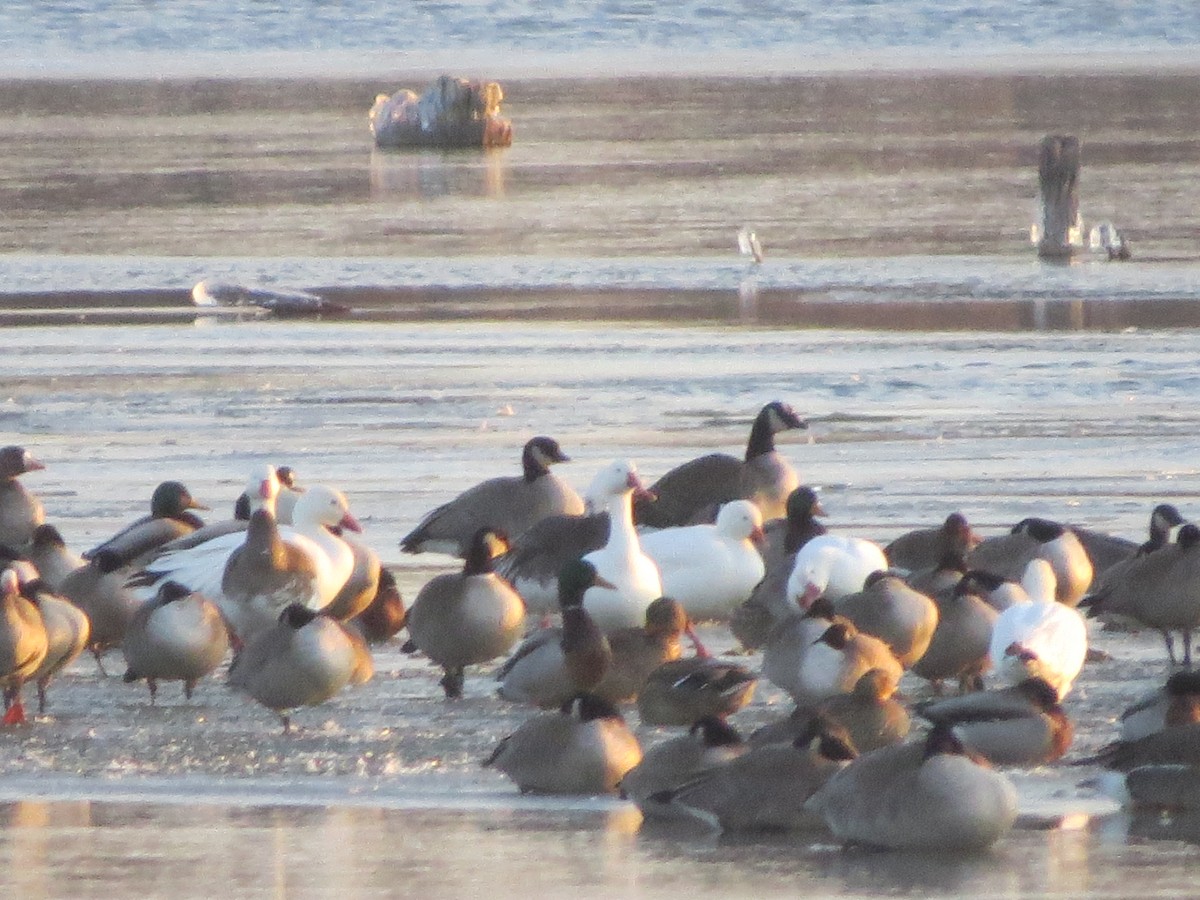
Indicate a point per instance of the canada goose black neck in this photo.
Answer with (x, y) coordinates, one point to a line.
(942, 740)
(1183, 683)
(537, 457)
(1041, 530)
(1189, 536)
(296, 616)
(486, 545)
(978, 580)
(171, 591)
(716, 732)
(772, 418)
(590, 707)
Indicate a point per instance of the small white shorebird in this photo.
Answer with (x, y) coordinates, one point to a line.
(748, 244)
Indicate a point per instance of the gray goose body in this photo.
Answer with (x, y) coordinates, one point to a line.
(693, 492)
(303, 660)
(1034, 538)
(461, 619)
(23, 644)
(926, 547)
(67, 629)
(50, 555)
(918, 796)
(510, 504)
(583, 748)
(177, 635)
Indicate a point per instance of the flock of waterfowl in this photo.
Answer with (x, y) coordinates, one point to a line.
(611, 583)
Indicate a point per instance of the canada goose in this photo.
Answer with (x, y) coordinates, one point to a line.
(710, 742)
(928, 795)
(1157, 589)
(1034, 538)
(926, 547)
(178, 635)
(99, 589)
(460, 619)
(692, 492)
(510, 503)
(49, 554)
(304, 660)
(583, 748)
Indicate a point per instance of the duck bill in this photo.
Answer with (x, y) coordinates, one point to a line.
(810, 596)
(601, 581)
(195, 504)
(350, 524)
(818, 509)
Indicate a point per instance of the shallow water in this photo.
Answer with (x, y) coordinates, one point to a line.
(583, 284)
(79, 848)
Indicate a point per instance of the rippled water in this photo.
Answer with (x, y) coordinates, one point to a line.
(698, 26)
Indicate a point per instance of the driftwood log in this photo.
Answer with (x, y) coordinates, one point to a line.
(453, 113)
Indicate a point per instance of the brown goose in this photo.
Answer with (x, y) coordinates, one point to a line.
(871, 715)
(385, 615)
(959, 649)
(925, 547)
(461, 619)
(510, 504)
(901, 617)
(638, 652)
(693, 492)
(67, 628)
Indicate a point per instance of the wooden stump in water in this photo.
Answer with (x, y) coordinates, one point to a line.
(1058, 177)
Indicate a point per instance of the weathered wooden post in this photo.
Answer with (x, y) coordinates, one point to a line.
(1058, 176)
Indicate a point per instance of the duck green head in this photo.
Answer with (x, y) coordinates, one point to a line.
(575, 578)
